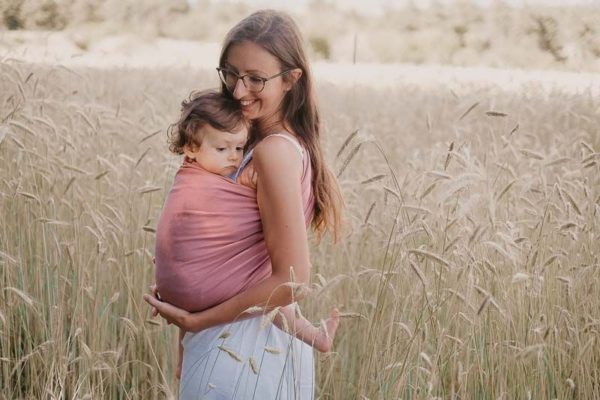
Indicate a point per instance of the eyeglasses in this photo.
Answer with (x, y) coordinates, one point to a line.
(252, 83)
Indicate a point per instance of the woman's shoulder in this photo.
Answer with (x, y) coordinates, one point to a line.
(276, 151)
(281, 143)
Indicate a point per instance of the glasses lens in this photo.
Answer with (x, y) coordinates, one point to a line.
(254, 83)
(228, 78)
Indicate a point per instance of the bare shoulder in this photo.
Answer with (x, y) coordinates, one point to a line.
(277, 154)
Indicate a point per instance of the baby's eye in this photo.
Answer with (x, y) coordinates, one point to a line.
(220, 148)
(239, 149)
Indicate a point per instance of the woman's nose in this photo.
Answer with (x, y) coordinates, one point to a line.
(239, 90)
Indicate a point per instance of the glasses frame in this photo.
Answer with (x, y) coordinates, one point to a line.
(263, 80)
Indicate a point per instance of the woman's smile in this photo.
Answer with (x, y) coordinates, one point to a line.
(247, 106)
(246, 103)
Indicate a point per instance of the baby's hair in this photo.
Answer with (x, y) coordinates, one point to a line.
(204, 107)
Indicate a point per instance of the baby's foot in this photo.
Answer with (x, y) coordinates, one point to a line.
(324, 340)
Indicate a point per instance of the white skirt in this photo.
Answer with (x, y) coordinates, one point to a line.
(251, 363)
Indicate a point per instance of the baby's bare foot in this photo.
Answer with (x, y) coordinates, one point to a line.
(324, 340)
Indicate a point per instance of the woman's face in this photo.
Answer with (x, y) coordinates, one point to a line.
(249, 58)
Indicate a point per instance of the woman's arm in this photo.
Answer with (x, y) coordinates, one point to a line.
(279, 195)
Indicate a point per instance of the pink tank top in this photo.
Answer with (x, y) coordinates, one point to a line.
(209, 240)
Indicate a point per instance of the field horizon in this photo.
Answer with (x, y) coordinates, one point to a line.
(133, 52)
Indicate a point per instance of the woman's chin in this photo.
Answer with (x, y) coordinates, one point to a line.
(249, 114)
(251, 111)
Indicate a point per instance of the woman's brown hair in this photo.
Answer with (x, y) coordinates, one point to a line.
(278, 34)
(205, 107)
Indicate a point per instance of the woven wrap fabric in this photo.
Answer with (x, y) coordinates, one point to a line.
(209, 239)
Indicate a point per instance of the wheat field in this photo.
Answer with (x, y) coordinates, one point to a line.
(468, 269)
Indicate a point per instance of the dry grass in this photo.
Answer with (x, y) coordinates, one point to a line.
(469, 268)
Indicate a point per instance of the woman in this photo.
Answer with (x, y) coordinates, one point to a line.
(264, 67)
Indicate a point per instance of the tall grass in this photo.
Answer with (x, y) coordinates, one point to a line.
(468, 269)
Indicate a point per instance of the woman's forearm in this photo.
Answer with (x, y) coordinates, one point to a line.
(272, 292)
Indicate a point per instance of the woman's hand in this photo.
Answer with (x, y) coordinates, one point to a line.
(173, 315)
(248, 176)
(154, 292)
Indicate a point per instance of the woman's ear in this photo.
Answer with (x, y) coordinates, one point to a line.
(294, 75)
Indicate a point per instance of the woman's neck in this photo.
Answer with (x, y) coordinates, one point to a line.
(268, 126)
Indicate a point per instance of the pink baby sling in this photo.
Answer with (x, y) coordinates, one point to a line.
(209, 239)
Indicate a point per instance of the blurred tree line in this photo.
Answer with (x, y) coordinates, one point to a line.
(58, 14)
(458, 34)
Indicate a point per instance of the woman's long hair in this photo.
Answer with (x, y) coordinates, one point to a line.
(277, 33)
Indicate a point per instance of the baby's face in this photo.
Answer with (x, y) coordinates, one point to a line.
(221, 152)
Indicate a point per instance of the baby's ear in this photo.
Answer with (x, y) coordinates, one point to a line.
(189, 152)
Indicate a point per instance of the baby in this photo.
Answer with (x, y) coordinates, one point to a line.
(212, 134)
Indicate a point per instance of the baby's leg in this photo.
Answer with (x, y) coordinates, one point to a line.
(321, 338)
(324, 341)
(179, 354)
